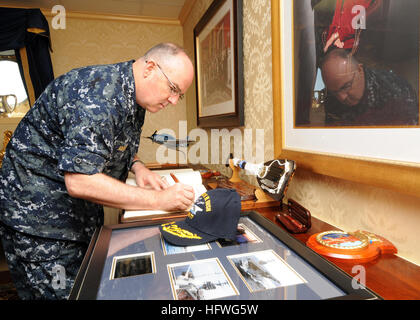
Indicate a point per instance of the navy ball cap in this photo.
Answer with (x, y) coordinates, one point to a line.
(215, 214)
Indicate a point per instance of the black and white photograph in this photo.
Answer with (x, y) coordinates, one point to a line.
(264, 270)
(200, 280)
(133, 265)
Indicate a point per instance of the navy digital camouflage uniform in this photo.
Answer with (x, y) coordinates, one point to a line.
(86, 121)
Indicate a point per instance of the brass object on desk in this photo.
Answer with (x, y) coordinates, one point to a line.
(235, 172)
(8, 103)
(7, 137)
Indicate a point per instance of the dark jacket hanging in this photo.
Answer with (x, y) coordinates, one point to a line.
(28, 28)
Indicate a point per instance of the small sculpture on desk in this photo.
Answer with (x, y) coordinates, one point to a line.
(273, 176)
(245, 190)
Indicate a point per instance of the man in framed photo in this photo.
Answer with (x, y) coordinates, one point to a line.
(360, 96)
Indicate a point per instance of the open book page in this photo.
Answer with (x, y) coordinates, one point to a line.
(186, 176)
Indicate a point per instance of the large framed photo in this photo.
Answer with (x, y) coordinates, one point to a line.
(355, 63)
(345, 89)
(134, 262)
(219, 65)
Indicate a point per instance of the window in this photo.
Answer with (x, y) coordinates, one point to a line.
(13, 98)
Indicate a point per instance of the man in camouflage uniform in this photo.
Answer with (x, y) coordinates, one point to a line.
(71, 154)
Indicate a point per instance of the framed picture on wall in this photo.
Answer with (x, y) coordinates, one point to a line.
(355, 63)
(371, 146)
(219, 65)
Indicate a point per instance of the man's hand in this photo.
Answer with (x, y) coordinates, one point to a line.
(105, 190)
(177, 197)
(334, 39)
(146, 177)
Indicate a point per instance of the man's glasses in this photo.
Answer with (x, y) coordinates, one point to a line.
(347, 86)
(175, 91)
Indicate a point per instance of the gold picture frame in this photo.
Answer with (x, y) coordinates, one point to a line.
(394, 175)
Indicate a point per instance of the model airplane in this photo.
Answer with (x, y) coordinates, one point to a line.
(169, 141)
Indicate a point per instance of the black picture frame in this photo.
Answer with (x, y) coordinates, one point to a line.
(219, 67)
(88, 280)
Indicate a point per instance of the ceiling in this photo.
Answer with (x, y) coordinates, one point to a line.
(165, 9)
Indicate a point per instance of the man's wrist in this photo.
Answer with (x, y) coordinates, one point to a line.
(136, 161)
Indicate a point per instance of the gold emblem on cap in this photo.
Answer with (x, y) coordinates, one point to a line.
(173, 229)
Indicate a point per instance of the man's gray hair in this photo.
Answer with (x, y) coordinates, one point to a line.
(163, 52)
(340, 54)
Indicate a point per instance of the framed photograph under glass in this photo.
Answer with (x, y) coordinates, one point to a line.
(219, 65)
(200, 280)
(270, 265)
(132, 265)
(263, 270)
(355, 63)
(381, 154)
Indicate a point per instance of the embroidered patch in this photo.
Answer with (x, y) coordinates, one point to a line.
(173, 229)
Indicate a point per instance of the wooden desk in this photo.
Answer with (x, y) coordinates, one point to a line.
(391, 277)
(210, 183)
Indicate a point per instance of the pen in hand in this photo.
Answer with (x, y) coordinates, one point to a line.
(176, 181)
(175, 178)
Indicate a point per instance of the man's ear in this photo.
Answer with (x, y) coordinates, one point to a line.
(148, 68)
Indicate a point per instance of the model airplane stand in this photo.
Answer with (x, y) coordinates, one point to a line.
(359, 246)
